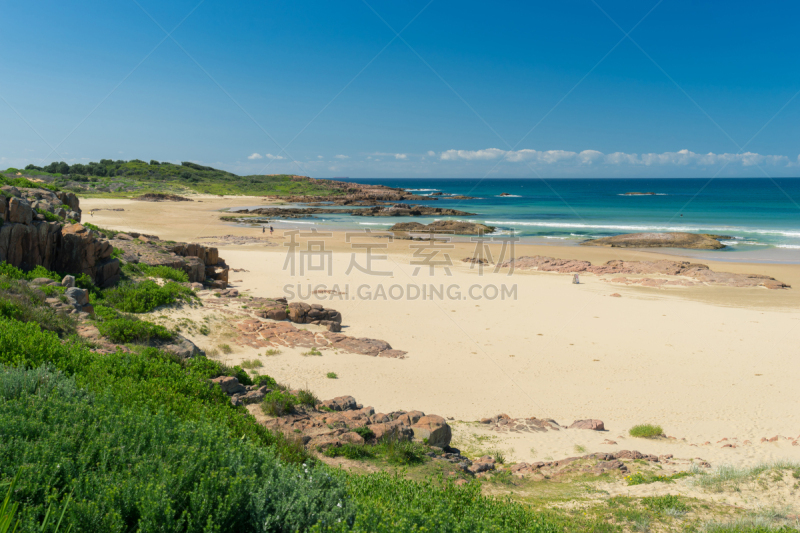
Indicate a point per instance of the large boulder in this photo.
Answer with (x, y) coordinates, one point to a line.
(19, 211)
(700, 241)
(433, 430)
(594, 425)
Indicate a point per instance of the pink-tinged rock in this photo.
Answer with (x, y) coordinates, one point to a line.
(594, 425)
(229, 385)
(352, 437)
(434, 430)
(775, 438)
(616, 295)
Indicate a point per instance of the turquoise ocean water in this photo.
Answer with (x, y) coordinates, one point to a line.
(761, 216)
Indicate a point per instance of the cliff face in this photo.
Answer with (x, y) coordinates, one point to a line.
(28, 239)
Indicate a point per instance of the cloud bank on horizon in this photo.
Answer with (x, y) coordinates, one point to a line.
(593, 157)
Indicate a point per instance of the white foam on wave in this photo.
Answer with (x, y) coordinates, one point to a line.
(375, 224)
(300, 222)
(791, 246)
(421, 190)
(724, 229)
(508, 196)
(740, 241)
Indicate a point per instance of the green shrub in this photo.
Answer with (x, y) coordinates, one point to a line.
(365, 432)
(646, 431)
(331, 375)
(278, 403)
(164, 272)
(48, 216)
(145, 296)
(306, 397)
(350, 451)
(125, 328)
(225, 348)
(251, 363)
(130, 469)
(23, 303)
(644, 478)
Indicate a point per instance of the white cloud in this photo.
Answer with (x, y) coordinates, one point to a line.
(591, 157)
(319, 157)
(254, 156)
(342, 156)
(401, 156)
(431, 153)
(270, 156)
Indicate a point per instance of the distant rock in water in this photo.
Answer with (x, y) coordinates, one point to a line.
(639, 194)
(162, 197)
(456, 227)
(698, 241)
(505, 194)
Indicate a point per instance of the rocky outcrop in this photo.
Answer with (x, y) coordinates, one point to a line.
(201, 263)
(594, 425)
(334, 422)
(697, 241)
(456, 227)
(162, 197)
(28, 240)
(693, 273)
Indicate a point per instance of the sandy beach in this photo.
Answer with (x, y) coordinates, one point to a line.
(706, 363)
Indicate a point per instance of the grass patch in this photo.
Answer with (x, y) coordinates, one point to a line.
(400, 452)
(668, 504)
(642, 478)
(646, 431)
(251, 363)
(273, 351)
(331, 375)
(365, 432)
(164, 272)
(312, 351)
(225, 348)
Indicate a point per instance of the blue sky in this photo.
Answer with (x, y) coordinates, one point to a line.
(469, 89)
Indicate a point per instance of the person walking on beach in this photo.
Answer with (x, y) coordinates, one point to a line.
(263, 229)
(270, 230)
(575, 279)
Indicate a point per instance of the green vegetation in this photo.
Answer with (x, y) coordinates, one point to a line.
(123, 329)
(124, 464)
(22, 303)
(225, 348)
(727, 476)
(145, 296)
(331, 375)
(278, 403)
(312, 351)
(161, 271)
(9, 178)
(48, 216)
(251, 363)
(136, 177)
(646, 431)
(641, 478)
(273, 351)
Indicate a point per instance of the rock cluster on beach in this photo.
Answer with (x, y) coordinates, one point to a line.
(697, 241)
(456, 227)
(162, 197)
(331, 423)
(505, 424)
(392, 210)
(696, 273)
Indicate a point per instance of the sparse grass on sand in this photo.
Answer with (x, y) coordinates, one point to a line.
(331, 375)
(225, 348)
(730, 477)
(312, 351)
(646, 431)
(273, 351)
(251, 363)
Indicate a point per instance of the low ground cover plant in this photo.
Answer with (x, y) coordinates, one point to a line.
(646, 431)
